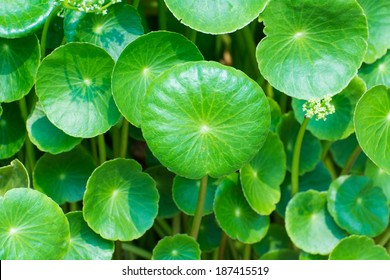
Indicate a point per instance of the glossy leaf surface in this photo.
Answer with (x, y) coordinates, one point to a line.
(12, 130)
(178, 247)
(377, 73)
(13, 176)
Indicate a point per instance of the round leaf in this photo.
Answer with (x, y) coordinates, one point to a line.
(377, 73)
(20, 18)
(380, 178)
(262, 176)
(12, 130)
(309, 224)
(113, 31)
(46, 136)
(317, 46)
(13, 176)
(121, 202)
(32, 227)
(19, 65)
(372, 124)
(178, 247)
(84, 243)
(63, 177)
(141, 62)
(74, 88)
(196, 117)
(357, 206)
(186, 193)
(216, 17)
(340, 124)
(356, 247)
(235, 216)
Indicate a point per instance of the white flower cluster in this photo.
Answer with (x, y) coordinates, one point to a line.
(89, 6)
(319, 108)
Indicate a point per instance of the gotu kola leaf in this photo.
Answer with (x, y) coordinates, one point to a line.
(178, 247)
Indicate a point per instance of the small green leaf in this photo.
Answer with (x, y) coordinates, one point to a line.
(63, 177)
(197, 115)
(13, 176)
(32, 227)
(19, 65)
(178, 247)
(379, 177)
(372, 124)
(356, 247)
(377, 73)
(84, 243)
(309, 224)
(358, 206)
(317, 46)
(121, 201)
(235, 216)
(74, 87)
(216, 17)
(262, 176)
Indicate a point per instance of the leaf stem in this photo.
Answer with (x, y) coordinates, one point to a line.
(118, 250)
(351, 160)
(330, 166)
(115, 140)
(137, 251)
(102, 149)
(199, 208)
(29, 146)
(247, 252)
(176, 224)
(222, 246)
(296, 157)
(94, 150)
(191, 34)
(162, 15)
(384, 238)
(125, 138)
(164, 226)
(269, 90)
(46, 30)
(136, 3)
(251, 49)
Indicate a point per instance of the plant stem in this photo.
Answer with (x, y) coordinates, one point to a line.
(325, 149)
(115, 141)
(247, 252)
(118, 250)
(283, 103)
(251, 48)
(296, 157)
(162, 15)
(136, 3)
(73, 206)
(385, 237)
(191, 34)
(176, 224)
(125, 139)
(137, 251)
(232, 249)
(94, 150)
(159, 230)
(222, 246)
(330, 166)
(351, 160)
(46, 29)
(164, 226)
(102, 149)
(30, 158)
(269, 90)
(199, 208)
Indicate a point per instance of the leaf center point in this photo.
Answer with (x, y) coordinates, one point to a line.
(299, 35)
(204, 129)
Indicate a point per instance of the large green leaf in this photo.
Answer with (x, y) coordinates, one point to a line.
(113, 31)
(377, 73)
(74, 88)
(358, 206)
(12, 130)
(309, 224)
(141, 62)
(262, 176)
(378, 18)
(20, 18)
(121, 202)
(317, 46)
(178, 247)
(85, 244)
(63, 177)
(13, 176)
(46, 136)
(196, 117)
(18, 68)
(32, 226)
(372, 124)
(340, 124)
(216, 17)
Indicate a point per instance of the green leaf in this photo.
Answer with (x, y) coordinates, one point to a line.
(121, 202)
(46, 136)
(74, 87)
(372, 124)
(276, 113)
(178, 247)
(288, 129)
(216, 17)
(141, 62)
(210, 234)
(309, 224)
(262, 176)
(358, 206)
(356, 247)
(63, 177)
(281, 254)
(13, 176)
(235, 216)
(112, 32)
(377, 73)
(186, 193)
(12, 130)
(21, 18)
(380, 178)
(378, 18)
(19, 65)
(32, 227)
(196, 117)
(340, 124)
(275, 239)
(317, 46)
(84, 243)
(164, 182)
(309, 257)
